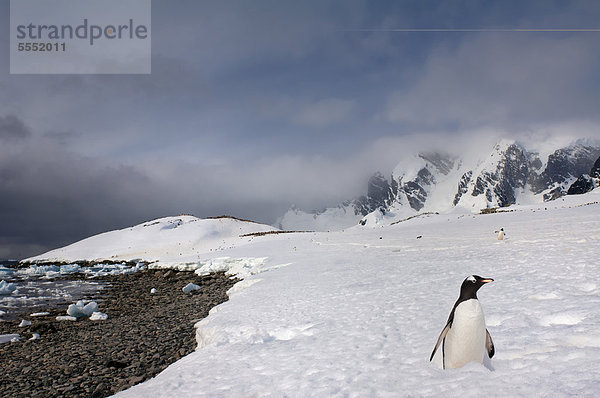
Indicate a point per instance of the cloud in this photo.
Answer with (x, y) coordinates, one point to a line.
(251, 108)
(503, 80)
(52, 196)
(325, 112)
(13, 129)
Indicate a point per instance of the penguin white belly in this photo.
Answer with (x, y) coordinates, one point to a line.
(465, 341)
(501, 235)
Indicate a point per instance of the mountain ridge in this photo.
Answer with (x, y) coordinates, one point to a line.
(439, 182)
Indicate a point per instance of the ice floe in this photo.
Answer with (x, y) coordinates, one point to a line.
(80, 309)
(190, 287)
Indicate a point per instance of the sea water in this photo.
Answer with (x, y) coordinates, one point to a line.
(51, 285)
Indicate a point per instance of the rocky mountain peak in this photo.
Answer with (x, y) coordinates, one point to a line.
(434, 181)
(586, 182)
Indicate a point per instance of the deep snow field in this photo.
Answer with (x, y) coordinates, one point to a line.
(356, 313)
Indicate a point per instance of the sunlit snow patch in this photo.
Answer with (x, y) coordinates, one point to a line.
(562, 318)
(241, 285)
(40, 313)
(65, 318)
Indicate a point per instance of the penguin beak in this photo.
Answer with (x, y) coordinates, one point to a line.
(487, 280)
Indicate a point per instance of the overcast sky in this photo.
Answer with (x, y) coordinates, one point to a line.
(256, 105)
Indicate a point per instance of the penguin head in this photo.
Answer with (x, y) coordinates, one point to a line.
(471, 285)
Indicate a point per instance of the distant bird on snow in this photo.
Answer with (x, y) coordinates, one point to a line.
(465, 338)
(501, 234)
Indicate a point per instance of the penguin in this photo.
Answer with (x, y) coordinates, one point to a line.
(501, 234)
(465, 338)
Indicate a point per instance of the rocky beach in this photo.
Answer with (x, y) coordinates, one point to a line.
(144, 333)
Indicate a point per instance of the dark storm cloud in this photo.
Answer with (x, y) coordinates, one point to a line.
(252, 106)
(504, 81)
(13, 129)
(50, 196)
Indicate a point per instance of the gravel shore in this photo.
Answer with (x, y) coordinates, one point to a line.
(144, 333)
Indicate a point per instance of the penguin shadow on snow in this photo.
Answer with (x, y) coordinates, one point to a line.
(465, 338)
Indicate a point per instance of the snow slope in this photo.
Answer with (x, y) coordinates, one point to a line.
(356, 313)
(166, 241)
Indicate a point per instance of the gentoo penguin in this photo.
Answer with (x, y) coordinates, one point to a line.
(501, 234)
(465, 337)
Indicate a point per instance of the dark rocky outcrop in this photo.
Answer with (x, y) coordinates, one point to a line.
(378, 195)
(563, 165)
(586, 182)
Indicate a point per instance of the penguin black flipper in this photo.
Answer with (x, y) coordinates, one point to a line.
(489, 344)
(440, 339)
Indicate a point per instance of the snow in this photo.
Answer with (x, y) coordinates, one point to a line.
(7, 288)
(190, 287)
(40, 313)
(166, 240)
(8, 338)
(65, 318)
(356, 313)
(98, 316)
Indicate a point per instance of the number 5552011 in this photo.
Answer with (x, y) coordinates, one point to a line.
(41, 47)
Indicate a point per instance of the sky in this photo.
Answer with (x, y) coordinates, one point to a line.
(253, 106)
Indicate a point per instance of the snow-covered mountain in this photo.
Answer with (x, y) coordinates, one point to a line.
(439, 182)
(170, 240)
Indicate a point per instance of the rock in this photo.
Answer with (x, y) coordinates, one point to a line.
(583, 184)
(135, 380)
(116, 364)
(586, 182)
(100, 358)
